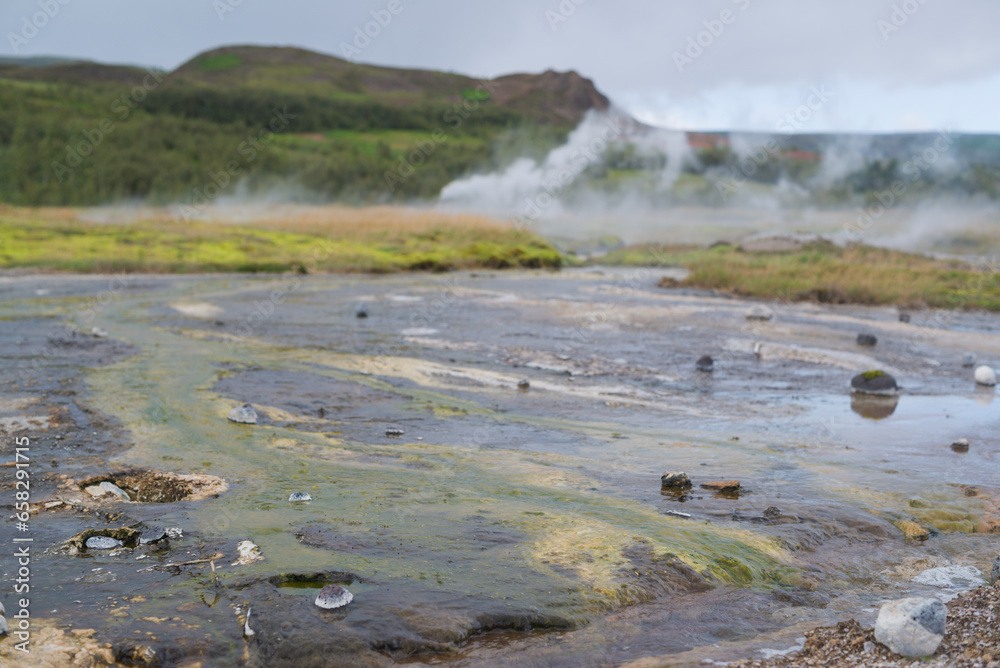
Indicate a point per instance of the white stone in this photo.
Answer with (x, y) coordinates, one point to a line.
(247, 631)
(333, 596)
(102, 543)
(116, 490)
(249, 553)
(951, 577)
(912, 627)
(985, 375)
(244, 414)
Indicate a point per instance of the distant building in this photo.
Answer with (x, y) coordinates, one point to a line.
(703, 140)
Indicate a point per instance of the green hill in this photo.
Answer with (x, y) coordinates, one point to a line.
(86, 133)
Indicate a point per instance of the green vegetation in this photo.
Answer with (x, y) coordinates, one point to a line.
(824, 272)
(219, 62)
(175, 246)
(86, 134)
(475, 94)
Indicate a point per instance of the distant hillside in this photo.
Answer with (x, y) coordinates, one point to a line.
(74, 132)
(304, 125)
(554, 97)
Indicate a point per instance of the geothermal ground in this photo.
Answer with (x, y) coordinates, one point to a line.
(504, 525)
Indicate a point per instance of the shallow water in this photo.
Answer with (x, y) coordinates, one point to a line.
(505, 522)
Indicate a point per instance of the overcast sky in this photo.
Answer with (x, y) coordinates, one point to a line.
(862, 65)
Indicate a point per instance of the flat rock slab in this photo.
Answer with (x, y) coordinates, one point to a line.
(722, 485)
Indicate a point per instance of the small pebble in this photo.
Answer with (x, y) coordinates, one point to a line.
(772, 513)
(392, 431)
(3, 625)
(722, 485)
(174, 532)
(152, 535)
(704, 363)
(244, 414)
(961, 445)
(247, 631)
(333, 596)
(116, 490)
(761, 313)
(867, 339)
(249, 552)
(904, 317)
(673, 479)
(98, 333)
(362, 311)
(969, 360)
(985, 375)
(103, 543)
(523, 384)
(677, 513)
(299, 497)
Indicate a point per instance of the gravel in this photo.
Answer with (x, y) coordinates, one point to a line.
(971, 640)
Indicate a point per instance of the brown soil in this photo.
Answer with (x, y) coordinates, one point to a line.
(146, 486)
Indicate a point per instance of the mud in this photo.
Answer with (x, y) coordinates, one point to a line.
(505, 525)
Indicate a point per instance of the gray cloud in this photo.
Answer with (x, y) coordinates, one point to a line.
(628, 46)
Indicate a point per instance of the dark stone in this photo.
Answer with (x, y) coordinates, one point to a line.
(772, 513)
(704, 363)
(874, 382)
(675, 480)
(904, 317)
(867, 340)
(153, 534)
(523, 384)
(961, 445)
(393, 432)
(362, 311)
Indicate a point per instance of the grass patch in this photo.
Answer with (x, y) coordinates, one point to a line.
(225, 61)
(325, 239)
(826, 273)
(475, 95)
